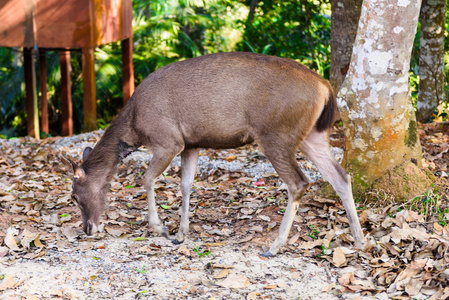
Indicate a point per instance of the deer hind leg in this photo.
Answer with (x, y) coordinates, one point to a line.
(159, 163)
(316, 148)
(282, 157)
(189, 161)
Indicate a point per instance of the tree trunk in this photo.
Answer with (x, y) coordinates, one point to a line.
(431, 58)
(383, 151)
(344, 20)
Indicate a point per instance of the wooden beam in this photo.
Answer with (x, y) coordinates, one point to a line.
(66, 93)
(43, 87)
(31, 96)
(89, 104)
(127, 69)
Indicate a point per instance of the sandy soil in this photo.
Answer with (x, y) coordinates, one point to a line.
(115, 268)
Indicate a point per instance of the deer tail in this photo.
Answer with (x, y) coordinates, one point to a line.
(327, 116)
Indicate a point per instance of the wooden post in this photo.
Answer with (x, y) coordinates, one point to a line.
(31, 96)
(43, 86)
(127, 69)
(90, 105)
(66, 93)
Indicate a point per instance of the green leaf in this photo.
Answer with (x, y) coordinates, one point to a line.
(166, 206)
(140, 238)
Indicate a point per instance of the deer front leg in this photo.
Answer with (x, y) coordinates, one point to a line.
(189, 161)
(160, 161)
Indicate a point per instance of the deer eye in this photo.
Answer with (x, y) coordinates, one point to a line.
(75, 198)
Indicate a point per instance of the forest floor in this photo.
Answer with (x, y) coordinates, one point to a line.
(236, 207)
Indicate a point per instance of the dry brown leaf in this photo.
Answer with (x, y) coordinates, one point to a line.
(339, 257)
(37, 242)
(28, 237)
(10, 241)
(294, 239)
(69, 232)
(7, 282)
(414, 286)
(235, 281)
(438, 228)
(114, 231)
(184, 250)
(346, 278)
(252, 296)
(223, 266)
(311, 244)
(331, 286)
(3, 251)
(419, 263)
(222, 274)
(404, 277)
(270, 287)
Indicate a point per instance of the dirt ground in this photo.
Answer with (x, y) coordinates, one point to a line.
(236, 207)
(111, 268)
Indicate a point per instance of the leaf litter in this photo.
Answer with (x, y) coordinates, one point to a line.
(237, 204)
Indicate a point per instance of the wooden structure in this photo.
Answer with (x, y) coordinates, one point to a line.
(63, 26)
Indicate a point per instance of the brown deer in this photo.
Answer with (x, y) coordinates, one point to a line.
(219, 101)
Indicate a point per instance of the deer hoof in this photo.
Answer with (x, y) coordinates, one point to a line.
(267, 254)
(179, 239)
(165, 232)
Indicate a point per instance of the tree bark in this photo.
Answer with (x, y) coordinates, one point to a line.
(344, 22)
(431, 58)
(382, 144)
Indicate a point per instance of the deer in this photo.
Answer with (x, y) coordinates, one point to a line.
(219, 101)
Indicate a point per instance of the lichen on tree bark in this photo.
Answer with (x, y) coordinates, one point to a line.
(374, 100)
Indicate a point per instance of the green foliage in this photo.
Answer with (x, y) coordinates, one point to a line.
(166, 31)
(314, 233)
(200, 252)
(293, 29)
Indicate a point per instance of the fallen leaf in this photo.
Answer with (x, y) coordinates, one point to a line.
(294, 239)
(114, 231)
(10, 241)
(184, 250)
(3, 251)
(7, 282)
(223, 273)
(346, 278)
(270, 287)
(331, 286)
(69, 232)
(339, 257)
(208, 283)
(414, 286)
(223, 266)
(235, 281)
(311, 244)
(28, 237)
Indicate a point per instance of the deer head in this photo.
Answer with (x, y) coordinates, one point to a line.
(87, 192)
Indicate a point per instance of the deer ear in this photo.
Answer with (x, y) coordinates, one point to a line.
(69, 164)
(79, 173)
(86, 152)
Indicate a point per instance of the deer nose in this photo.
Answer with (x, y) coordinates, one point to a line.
(90, 228)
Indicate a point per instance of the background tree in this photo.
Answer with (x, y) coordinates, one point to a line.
(382, 145)
(431, 58)
(293, 29)
(344, 23)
